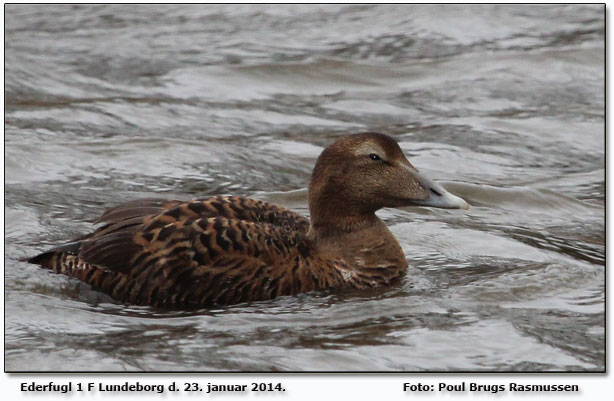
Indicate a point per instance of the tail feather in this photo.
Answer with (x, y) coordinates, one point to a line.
(44, 259)
(40, 259)
(61, 260)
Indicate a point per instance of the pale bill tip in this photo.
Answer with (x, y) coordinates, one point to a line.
(448, 200)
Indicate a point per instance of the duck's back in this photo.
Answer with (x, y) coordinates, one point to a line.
(221, 250)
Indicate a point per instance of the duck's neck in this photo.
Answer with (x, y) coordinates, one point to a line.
(369, 254)
(325, 226)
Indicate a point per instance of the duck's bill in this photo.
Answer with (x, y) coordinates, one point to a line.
(438, 196)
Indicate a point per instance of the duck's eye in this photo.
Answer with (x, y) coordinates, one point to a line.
(373, 156)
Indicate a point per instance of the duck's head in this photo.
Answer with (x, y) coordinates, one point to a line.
(359, 174)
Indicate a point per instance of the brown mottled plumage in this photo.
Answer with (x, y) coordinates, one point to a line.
(227, 250)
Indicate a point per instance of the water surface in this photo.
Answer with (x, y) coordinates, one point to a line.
(503, 104)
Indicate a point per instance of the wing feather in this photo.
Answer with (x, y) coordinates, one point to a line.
(212, 251)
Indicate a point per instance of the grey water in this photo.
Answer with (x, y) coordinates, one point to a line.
(503, 104)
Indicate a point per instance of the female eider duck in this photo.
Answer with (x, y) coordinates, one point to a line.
(229, 249)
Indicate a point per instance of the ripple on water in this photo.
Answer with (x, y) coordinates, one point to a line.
(110, 103)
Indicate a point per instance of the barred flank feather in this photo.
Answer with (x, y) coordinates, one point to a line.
(222, 250)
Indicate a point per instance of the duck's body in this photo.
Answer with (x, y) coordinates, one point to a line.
(227, 250)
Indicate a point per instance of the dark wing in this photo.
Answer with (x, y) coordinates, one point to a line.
(216, 251)
(123, 221)
(230, 207)
(137, 208)
(208, 261)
